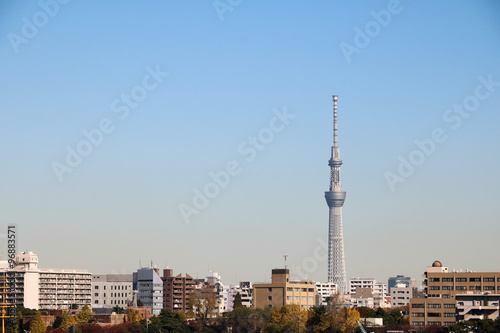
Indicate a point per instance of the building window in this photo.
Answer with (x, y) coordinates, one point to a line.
(434, 306)
(269, 298)
(104, 287)
(461, 288)
(104, 302)
(95, 302)
(447, 287)
(461, 279)
(96, 294)
(304, 290)
(489, 287)
(296, 298)
(311, 290)
(269, 290)
(474, 287)
(289, 298)
(449, 314)
(434, 288)
(433, 314)
(296, 289)
(489, 279)
(289, 289)
(433, 279)
(96, 287)
(418, 314)
(104, 294)
(417, 306)
(418, 323)
(475, 279)
(434, 323)
(449, 306)
(447, 279)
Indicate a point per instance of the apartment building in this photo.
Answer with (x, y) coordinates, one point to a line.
(379, 290)
(176, 290)
(400, 295)
(324, 290)
(283, 291)
(149, 286)
(36, 288)
(441, 289)
(110, 290)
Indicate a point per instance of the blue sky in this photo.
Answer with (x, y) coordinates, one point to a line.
(223, 71)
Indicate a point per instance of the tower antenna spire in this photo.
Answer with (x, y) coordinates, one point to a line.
(335, 97)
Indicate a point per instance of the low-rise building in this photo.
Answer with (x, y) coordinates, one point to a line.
(283, 291)
(110, 290)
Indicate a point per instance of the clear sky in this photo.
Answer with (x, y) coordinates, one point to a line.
(116, 115)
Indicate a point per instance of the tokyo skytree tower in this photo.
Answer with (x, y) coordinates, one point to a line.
(335, 199)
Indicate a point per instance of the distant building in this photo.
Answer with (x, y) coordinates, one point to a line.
(379, 290)
(283, 291)
(244, 289)
(401, 294)
(149, 286)
(176, 290)
(401, 279)
(444, 289)
(110, 290)
(325, 290)
(46, 288)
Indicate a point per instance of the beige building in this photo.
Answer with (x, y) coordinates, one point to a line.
(283, 291)
(441, 289)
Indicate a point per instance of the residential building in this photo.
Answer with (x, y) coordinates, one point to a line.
(46, 288)
(379, 290)
(283, 291)
(176, 290)
(441, 289)
(110, 290)
(400, 295)
(149, 286)
(325, 290)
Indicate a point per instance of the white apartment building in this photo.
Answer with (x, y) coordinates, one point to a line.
(401, 294)
(379, 290)
(324, 290)
(110, 290)
(46, 288)
(245, 290)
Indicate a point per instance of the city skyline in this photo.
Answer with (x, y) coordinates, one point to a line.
(195, 135)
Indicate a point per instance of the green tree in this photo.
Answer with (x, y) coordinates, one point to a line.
(140, 303)
(37, 325)
(167, 321)
(237, 301)
(118, 310)
(85, 314)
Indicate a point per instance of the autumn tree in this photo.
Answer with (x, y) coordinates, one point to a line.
(288, 318)
(85, 314)
(37, 325)
(350, 323)
(202, 303)
(132, 316)
(67, 322)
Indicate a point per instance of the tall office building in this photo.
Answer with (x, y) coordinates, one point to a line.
(335, 199)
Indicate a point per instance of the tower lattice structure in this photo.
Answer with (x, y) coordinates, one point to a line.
(335, 198)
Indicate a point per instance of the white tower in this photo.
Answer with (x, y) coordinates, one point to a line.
(335, 200)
